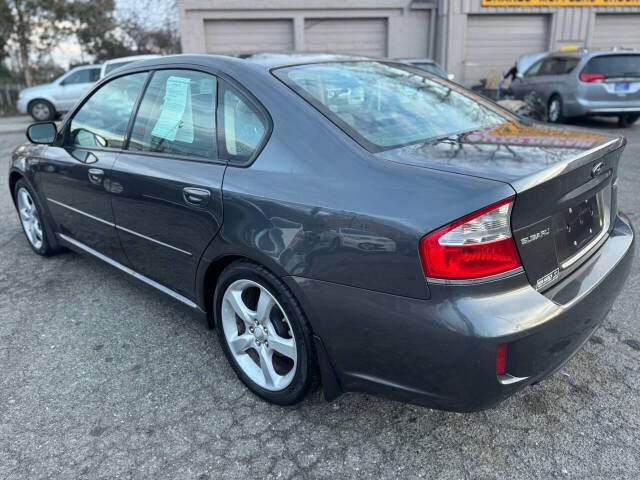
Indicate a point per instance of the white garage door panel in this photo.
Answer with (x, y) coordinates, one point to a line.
(248, 36)
(361, 36)
(496, 41)
(621, 30)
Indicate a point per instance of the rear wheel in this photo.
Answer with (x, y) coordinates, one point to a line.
(42, 111)
(31, 219)
(627, 119)
(264, 333)
(555, 109)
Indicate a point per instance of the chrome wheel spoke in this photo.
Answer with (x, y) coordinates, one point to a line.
(284, 346)
(241, 343)
(265, 304)
(271, 378)
(242, 311)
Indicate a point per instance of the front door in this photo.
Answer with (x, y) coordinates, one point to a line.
(168, 205)
(76, 177)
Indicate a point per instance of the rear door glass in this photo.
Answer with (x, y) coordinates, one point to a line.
(177, 115)
(612, 66)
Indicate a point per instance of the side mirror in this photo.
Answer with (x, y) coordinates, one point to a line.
(451, 76)
(519, 75)
(43, 133)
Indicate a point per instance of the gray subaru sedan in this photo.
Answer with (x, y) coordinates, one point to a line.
(357, 223)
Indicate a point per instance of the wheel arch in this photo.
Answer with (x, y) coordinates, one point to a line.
(330, 382)
(14, 176)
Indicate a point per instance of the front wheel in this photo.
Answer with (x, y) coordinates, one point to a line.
(555, 109)
(31, 219)
(264, 333)
(627, 119)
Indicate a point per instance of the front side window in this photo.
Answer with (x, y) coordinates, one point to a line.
(384, 106)
(244, 127)
(79, 76)
(177, 115)
(103, 119)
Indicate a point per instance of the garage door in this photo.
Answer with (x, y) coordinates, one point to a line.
(496, 41)
(621, 30)
(248, 36)
(361, 36)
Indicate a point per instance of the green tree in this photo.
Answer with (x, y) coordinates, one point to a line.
(95, 29)
(33, 25)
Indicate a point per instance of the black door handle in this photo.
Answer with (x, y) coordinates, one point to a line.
(196, 196)
(95, 175)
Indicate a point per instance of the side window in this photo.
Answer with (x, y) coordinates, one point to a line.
(94, 74)
(244, 126)
(177, 115)
(80, 76)
(534, 70)
(570, 64)
(103, 119)
(548, 66)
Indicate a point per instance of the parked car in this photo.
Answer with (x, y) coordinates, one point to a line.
(428, 65)
(110, 65)
(497, 245)
(581, 83)
(45, 102)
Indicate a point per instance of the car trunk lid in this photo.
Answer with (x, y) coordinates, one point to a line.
(564, 181)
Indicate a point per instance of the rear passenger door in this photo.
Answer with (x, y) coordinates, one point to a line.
(167, 183)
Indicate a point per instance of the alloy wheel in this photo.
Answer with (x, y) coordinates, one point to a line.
(41, 111)
(29, 218)
(259, 335)
(554, 110)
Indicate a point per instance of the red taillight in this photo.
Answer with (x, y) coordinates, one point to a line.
(501, 359)
(591, 77)
(478, 245)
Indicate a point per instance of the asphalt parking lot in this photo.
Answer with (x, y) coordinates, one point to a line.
(102, 377)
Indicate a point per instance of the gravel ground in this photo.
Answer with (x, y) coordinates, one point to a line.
(102, 377)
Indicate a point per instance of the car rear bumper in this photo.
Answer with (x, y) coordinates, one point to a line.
(441, 352)
(581, 107)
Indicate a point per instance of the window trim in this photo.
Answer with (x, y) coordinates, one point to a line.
(232, 160)
(221, 76)
(65, 130)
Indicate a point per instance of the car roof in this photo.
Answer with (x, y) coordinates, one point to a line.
(254, 63)
(131, 58)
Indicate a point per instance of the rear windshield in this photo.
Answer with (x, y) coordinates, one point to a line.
(383, 105)
(614, 65)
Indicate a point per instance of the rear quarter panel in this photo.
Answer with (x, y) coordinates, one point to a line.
(312, 180)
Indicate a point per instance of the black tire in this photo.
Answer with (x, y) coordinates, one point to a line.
(555, 116)
(46, 249)
(627, 119)
(42, 110)
(306, 376)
